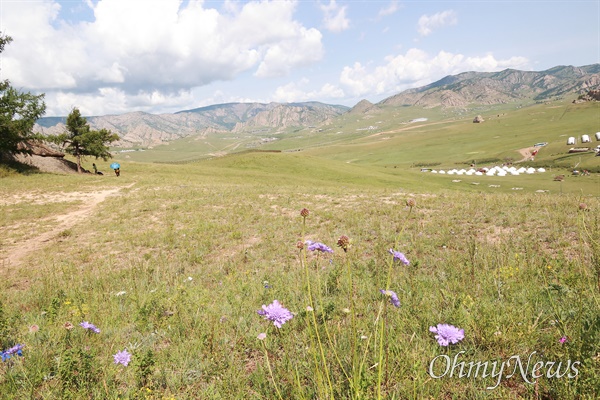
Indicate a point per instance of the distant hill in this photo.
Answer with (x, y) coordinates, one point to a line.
(464, 90)
(143, 129)
(508, 86)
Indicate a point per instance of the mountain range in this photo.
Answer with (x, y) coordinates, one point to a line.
(465, 90)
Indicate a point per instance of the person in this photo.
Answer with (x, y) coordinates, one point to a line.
(118, 171)
(96, 170)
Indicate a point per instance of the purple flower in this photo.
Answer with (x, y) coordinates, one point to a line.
(399, 257)
(6, 354)
(276, 312)
(90, 326)
(393, 297)
(122, 357)
(447, 334)
(312, 246)
(563, 339)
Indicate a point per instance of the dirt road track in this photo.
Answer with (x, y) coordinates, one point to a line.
(15, 253)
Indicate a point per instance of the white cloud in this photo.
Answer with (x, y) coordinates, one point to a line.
(295, 92)
(334, 17)
(389, 10)
(417, 68)
(164, 47)
(428, 23)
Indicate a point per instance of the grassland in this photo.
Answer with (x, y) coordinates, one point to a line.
(175, 264)
(447, 138)
(172, 262)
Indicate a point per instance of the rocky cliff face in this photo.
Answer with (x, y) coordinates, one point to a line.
(143, 129)
(500, 87)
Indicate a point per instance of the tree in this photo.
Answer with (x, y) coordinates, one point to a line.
(80, 141)
(18, 113)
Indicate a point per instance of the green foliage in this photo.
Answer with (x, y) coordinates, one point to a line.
(144, 369)
(80, 141)
(18, 113)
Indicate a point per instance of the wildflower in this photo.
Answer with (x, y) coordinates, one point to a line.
(346, 310)
(583, 206)
(309, 308)
(398, 256)
(6, 354)
(300, 245)
(447, 334)
(90, 326)
(344, 243)
(261, 336)
(276, 312)
(122, 357)
(68, 326)
(410, 203)
(304, 213)
(393, 297)
(121, 293)
(34, 328)
(563, 339)
(312, 246)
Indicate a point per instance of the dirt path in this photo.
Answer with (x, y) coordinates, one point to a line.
(16, 252)
(526, 153)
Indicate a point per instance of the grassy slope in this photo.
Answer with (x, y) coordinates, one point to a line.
(232, 223)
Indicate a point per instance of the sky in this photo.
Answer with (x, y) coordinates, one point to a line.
(162, 56)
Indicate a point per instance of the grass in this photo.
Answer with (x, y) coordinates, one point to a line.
(175, 267)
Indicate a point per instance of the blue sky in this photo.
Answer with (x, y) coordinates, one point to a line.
(162, 56)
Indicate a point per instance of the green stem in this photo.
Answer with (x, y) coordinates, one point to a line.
(270, 370)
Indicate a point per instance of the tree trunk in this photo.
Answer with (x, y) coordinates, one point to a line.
(78, 161)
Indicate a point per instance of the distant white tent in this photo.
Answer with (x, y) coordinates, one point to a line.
(571, 140)
(598, 136)
(585, 139)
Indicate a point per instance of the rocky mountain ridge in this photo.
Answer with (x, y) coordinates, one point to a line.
(144, 129)
(508, 86)
(463, 90)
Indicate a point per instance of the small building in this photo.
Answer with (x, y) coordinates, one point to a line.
(585, 138)
(598, 136)
(571, 140)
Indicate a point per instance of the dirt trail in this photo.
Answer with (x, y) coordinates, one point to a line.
(526, 153)
(16, 252)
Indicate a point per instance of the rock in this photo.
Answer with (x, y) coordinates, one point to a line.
(478, 119)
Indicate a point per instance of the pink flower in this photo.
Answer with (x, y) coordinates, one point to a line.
(562, 339)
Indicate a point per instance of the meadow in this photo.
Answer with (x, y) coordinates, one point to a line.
(161, 283)
(173, 266)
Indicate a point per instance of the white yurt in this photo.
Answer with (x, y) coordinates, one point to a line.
(597, 135)
(585, 139)
(571, 140)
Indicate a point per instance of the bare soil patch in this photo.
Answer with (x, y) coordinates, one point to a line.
(13, 255)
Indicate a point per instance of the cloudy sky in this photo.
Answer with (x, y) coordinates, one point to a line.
(162, 56)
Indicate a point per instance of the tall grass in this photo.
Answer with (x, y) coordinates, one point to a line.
(175, 268)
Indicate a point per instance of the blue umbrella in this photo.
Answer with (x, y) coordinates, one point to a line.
(115, 165)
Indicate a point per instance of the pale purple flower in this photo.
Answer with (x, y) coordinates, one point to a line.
(90, 326)
(563, 339)
(447, 334)
(261, 336)
(16, 349)
(276, 312)
(399, 257)
(122, 357)
(392, 295)
(312, 246)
